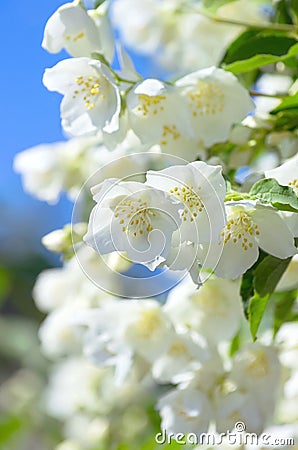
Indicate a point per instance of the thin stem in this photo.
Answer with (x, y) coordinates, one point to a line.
(122, 80)
(261, 94)
(257, 26)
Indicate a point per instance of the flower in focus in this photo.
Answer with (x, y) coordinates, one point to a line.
(157, 116)
(133, 218)
(79, 31)
(215, 101)
(201, 190)
(250, 226)
(91, 99)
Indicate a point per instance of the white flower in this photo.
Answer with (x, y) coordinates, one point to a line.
(58, 334)
(256, 368)
(286, 174)
(185, 411)
(149, 330)
(185, 354)
(201, 190)
(214, 310)
(249, 227)
(133, 218)
(120, 330)
(67, 286)
(215, 101)
(79, 31)
(141, 29)
(91, 99)
(157, 115)
(72, 388)
(238, 406)
(49, 169)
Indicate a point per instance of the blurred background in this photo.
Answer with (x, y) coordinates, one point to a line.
(29, 116)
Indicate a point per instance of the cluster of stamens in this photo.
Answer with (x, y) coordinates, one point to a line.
(169, 131)
(240, 229)
(208, 99)
(134, 216)
(75, 38)
(90, 87)
(191, 200)
(294, 183)
(150, 104)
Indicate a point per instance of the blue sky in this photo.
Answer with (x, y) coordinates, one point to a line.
(29, 116)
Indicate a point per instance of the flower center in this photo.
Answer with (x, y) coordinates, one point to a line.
(134, 216)
(148, 323)
(169, 132)
(76, 37)
(240, 228)
(294, 184)
(192, 201)
(150, 104)
(90, 87)
(208, 99)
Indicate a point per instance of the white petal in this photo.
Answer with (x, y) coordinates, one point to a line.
(275, 237)
(234, 260)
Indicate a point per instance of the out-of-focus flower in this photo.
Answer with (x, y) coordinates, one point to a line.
(214, 310)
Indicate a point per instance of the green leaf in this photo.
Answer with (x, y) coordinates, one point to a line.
(260, 60)
(256, 311)
(290, 102)
(283, 308)
(97, 3)
(247, 284)
(8, 427)
(235, 344)
(268, 273)
(253, 43)
(269, 191)
(213, 5)
(247, 289)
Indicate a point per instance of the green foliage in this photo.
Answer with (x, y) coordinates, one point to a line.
(255, 42)
(268, 273)
(283, 309)
(259, 61)
(97, 3)
(289, 103)
(286, 11)
(256, 309)
(213, 5)
(258, 283)
(8, 427)
(270, 191)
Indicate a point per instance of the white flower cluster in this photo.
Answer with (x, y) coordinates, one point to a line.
(181, 37)
(119, 353)
(149, 152)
